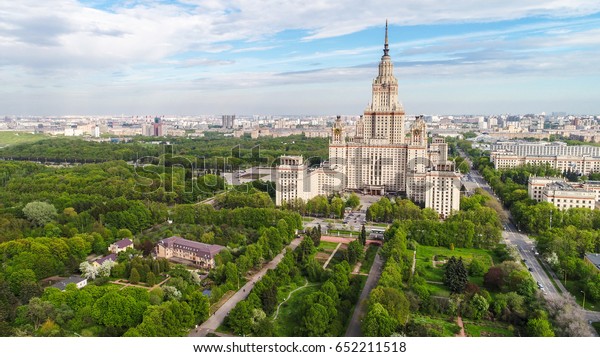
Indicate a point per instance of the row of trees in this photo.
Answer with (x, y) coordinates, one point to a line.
(215, 151)
(324, 206)
(474, 226)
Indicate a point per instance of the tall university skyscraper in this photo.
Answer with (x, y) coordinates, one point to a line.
(381, 158)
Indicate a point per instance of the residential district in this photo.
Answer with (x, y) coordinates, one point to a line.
(377, 224)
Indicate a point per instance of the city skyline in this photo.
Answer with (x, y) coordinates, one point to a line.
(198, 57)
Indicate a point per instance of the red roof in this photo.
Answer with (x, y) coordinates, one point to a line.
(200, 249)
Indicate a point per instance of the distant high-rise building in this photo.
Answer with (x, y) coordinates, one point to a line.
(381, 158)
(228, 121)
(157, 127)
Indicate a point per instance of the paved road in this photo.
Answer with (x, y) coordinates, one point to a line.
(361, 307)
(217, 318)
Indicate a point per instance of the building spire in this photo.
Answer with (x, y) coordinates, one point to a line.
(385, 46)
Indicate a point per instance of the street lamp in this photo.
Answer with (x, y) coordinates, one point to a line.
(583, 299)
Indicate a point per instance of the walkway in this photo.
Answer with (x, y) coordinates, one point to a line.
(360, 310)
(217, 318)
(460, 324)
(290, 294)
(331, 256)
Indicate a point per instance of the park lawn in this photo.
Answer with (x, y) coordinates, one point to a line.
(466, 253)
(12, 138)
(307, 219)
(438, 290)
(425, 255)
(289, 312)
(487, 329)
(368, 259)
(448, 329)
(575, 288)
(327, 246)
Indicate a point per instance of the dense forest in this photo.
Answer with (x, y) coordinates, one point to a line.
(211, 152)
(54, 219)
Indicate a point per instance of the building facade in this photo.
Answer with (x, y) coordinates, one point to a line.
(380, 158)
(228, 121)
(120, 246)
(583, 165)
(196, 253)
(562, 194)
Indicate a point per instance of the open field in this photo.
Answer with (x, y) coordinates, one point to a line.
(487, 329)
(12, 138)
(443, 327)
(434, 275)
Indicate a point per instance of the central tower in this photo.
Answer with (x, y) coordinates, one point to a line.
(383, 119)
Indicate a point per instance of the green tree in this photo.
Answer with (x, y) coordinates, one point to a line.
(40, 213)
(354, 252)
(455, 275)
(393, 300)
(240, 319)
(362, 237)
(268, 298)
(305, 250)
(337, 207)
(39, 311)
(316, 320)
(476, 268)
(478, 307)
(353, 201)
(199, 304)
(134, 276)
(539, 327)
(378, 322)
(150, 279)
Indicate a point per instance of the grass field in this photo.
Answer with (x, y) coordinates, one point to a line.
(12, 138)
(289, 313)
(486, 329)
(369, 258)
(435, 274)
(327, 246)
(445, 328)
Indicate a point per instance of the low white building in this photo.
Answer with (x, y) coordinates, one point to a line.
(560, 193)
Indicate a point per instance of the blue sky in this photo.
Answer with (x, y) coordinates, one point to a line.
(282, 57)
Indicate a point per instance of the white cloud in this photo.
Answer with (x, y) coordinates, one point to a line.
(62, 43)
